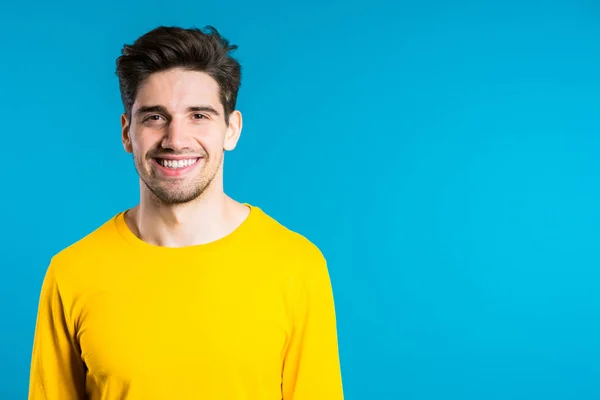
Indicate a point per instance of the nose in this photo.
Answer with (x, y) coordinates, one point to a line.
(176, 136)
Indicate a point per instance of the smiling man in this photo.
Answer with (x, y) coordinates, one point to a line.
(189, 294)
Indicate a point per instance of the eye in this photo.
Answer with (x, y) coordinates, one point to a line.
(150, 119)
(199, 116)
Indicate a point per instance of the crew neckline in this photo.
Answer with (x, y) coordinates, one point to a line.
(132, 239)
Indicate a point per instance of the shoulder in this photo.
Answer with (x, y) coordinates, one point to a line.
(284, 236)
(88, 250)
(295, 247)
(301, 264)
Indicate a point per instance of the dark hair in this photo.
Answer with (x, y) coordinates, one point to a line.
(164, 48)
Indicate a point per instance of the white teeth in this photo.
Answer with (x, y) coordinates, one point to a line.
(175, 164)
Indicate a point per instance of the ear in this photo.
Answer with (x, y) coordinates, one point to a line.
(125, 136)
(233, 130)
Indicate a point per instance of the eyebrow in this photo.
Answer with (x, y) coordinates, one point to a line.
(163, 110)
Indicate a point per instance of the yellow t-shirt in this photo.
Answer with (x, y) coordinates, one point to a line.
(250, 316)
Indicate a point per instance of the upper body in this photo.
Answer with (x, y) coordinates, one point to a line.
(189, 294)
(249, 316)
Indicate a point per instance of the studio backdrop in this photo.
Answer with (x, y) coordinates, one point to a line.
(445, 156)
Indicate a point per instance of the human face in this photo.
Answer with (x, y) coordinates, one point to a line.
(178, 134)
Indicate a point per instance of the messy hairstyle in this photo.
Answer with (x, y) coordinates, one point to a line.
(164, 48)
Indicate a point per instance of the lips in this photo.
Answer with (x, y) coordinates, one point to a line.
(173, 168)
(176, 164)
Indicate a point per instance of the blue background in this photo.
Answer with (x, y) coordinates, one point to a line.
(443, 155)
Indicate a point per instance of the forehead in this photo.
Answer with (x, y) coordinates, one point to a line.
(177, 89)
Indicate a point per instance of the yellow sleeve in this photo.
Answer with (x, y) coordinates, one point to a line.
(311, 367)
(57, 371)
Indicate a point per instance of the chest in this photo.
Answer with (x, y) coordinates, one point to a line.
(216, 323)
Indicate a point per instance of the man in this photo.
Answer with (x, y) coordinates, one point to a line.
(189, 294)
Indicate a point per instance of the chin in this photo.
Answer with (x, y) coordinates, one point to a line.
(170, 196)
(176, 199)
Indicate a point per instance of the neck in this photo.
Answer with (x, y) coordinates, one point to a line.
(210, 217)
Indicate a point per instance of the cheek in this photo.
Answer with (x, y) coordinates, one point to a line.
(213, 142)
(142, 143)
(138, 150)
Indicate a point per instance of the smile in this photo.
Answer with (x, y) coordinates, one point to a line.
(176, 164)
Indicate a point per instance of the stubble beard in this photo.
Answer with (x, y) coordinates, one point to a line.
(177, 191)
